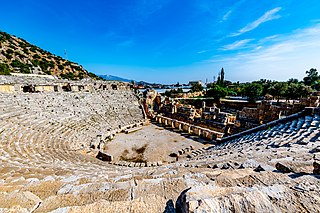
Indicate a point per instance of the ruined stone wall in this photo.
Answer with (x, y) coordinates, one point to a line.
(18, 84)
(188, 95)
(312, 101)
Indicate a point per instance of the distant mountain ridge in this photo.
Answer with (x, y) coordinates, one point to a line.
(19, 56)
(114, 78)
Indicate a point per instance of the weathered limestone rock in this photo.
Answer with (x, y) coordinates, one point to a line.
(210, 199)
(250, 163)
(25, 200)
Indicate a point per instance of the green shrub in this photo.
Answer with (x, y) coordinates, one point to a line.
(4, 69)
(24, 68)
(68, 75)
(60, 67)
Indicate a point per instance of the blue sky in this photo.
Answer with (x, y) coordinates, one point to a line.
(167, 41)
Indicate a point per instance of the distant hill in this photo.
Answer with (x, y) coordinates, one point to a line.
(19, 56)
(113, 78)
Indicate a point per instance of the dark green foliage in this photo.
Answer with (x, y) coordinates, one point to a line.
(68, 75)
(312, 79)
(67, 63)
(220, 80)
(253, 91)
(35, 62)
(78, 68)
(94, 76)
(10, 51)
(217, 92)
(293, 91)
(7, 54)
(304, 90)
(20, 55)
(293, 80)
(278, 89)
(33, 48)
(23, 68)
(60, 67)
(197, 87)
(80, 75)
(4, 69)
(4, 36)
(222, 77)
(36, 56)
(43, 64)
(16, 63)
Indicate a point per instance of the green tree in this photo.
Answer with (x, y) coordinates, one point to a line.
(217, 92)
(24, 68)
(222, 77)
(293, 80)
(304, 90)
(311, 78)
(197, 87)
(219, 80)
(293, 91)
(278, 90)
(266, 84)
(253, 91)
(4, 69)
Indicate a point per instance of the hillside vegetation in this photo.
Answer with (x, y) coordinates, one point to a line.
(19, 56)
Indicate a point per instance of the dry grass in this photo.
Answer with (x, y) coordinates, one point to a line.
(137, 156)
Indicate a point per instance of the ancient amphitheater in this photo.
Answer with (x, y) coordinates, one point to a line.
(51, 130)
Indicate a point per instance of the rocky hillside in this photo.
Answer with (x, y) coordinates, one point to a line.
(19, 56)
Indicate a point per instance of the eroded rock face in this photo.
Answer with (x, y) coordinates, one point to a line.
(252, 193)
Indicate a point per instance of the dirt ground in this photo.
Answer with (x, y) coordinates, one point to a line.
(152, 143)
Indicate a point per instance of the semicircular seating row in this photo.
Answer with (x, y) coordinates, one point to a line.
(48, 129)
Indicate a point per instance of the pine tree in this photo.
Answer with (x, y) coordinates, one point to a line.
(218, 80)
(222, 77)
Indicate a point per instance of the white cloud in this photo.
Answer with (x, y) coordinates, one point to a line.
(288, 56)
(226, 16)
(268, 16)
(236, 45)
